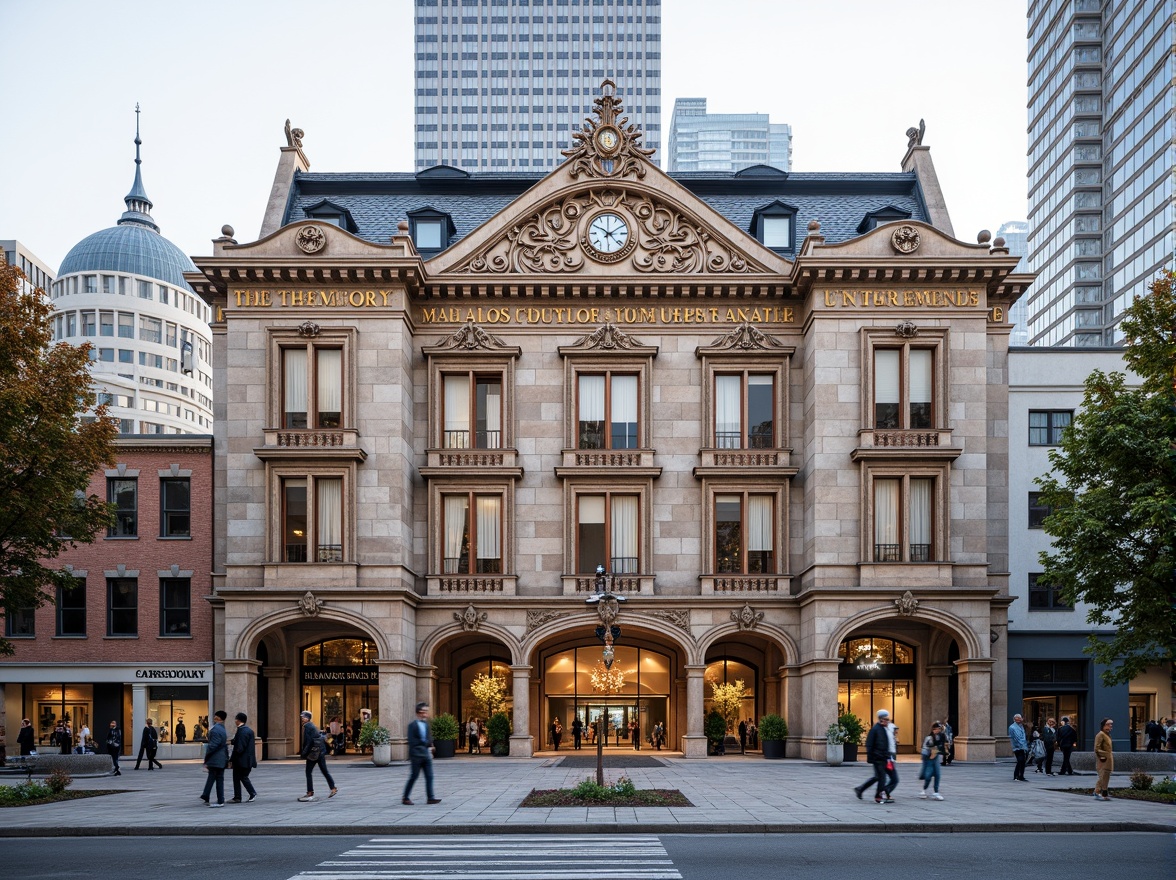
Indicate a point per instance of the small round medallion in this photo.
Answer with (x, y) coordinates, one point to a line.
(608, 140)
(905, 239)
(310, 239)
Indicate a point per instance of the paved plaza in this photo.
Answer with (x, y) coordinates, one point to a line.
(730, 794)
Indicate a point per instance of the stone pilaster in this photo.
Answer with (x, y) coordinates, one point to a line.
(522, 745)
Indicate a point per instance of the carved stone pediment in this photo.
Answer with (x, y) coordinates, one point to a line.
(469, 337)
(662, 239)
(607, 337)
(608, 146)
(746, 338)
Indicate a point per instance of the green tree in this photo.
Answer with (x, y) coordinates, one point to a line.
(1112, 491)
(47, 452)
(727, 700)
(488, 692)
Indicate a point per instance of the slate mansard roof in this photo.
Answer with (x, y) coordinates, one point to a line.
(379, 201)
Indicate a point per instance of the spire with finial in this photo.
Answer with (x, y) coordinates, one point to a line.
(138, 205)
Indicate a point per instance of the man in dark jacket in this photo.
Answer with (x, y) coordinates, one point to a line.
(216, 758)
(420, 753)
(314, 750)
(24, 737)
(880, 752)
(1067, 740)
(114, 745)
(244, 758)
(149, 746)
(743, 737)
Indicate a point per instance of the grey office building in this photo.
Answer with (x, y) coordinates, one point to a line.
(1100, 162)
(701, 141)
(501, 84)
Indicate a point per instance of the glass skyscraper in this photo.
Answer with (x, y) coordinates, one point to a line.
(701, 141)
(502, 84)
(1100, 162)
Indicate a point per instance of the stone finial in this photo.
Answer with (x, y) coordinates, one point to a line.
(402, 227)
(998, 242)
(814, 226)
(983, 236)
(294, 136)
(915, 135)
(227, 231)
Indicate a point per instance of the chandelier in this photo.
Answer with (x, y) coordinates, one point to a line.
(606, 680)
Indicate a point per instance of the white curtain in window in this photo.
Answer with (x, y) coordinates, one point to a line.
(728, 406)
(624, 399)
(457, 412)
(296, 381)
(921, 510)
(886, 511)
(455, 524)
(624, 532)
(591, 509)
(592, 398)
(489, 510)
(920, 361)
(329, 366)
(886, 362)
(330, 511)
(494, 408)
(759, 522)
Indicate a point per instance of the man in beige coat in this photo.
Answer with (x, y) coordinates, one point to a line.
(1104, 760)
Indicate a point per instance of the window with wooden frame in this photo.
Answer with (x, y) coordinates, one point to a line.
(175, 606)
(904, 372)
(904, 514)
(744, 533)
(471, 410)
(71, 608)
(122, 606)
(608, 533)
(123, 493)
(607, 410)
(745, 410)
(312, 518)
(471, 533)
(312, 387)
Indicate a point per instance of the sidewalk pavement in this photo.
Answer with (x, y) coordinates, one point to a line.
(733, 794)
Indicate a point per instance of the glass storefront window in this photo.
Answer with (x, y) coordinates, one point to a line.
(180, 713)
(875, 674)
(727, 671)
(340, 688)
(48, 705)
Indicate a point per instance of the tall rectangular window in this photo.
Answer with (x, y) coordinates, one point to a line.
(175, 606)
(89, 323)
(20, 623)
(903, 383)
(106, 323)
(126, 325)
(176, 503)
(606, 407)
(329, 522)
(123, 493)
(122, 607)
(1037, 511)
(323, 391)
(903, 517)
(71, 609)
(473, 411)
(607, 533)
(744, 411)
(294, 520)
(744, 530)
(472, 543)
(1046, 426)
(1044, 597)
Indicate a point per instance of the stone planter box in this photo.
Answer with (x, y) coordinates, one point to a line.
(74, 765)
(382, 754)
(774, 748)
(834, 754)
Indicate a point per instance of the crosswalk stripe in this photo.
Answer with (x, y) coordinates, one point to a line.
(498, 857)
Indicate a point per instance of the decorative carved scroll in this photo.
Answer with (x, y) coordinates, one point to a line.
(676, 617)
(536, 619)
(470, 337)
(607, 337)
(747, 618)
(309, 605)
(470, 619)
(907, 604)
(748, 337)
(626, 157)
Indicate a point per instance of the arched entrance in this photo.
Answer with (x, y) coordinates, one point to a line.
(876, 673)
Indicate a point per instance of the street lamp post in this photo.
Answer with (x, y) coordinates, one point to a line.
(608, 606)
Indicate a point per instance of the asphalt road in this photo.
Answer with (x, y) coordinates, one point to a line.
(595, 857)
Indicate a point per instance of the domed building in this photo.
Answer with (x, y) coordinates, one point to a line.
(123, 290)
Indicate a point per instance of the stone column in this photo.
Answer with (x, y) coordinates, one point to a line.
(522, 745)
(938, 681)
(974, 737)
(240, 692)
(774, 696)
(694, 742)
(138, 716)
(812, 707)
(281, 723)
(398, 699)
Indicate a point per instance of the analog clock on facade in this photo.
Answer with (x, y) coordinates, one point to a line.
(607, 140)
(608, 237)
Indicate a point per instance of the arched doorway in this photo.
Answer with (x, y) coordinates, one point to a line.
(339, 684)
(878, 672)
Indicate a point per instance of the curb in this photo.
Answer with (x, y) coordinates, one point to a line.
(594, 828)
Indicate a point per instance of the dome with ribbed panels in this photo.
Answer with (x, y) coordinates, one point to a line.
(134, 246)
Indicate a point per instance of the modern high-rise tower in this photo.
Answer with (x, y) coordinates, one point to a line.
(1100, 162)
(502, 84)
(701, 141)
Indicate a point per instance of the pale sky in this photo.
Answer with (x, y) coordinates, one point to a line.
(217, 80)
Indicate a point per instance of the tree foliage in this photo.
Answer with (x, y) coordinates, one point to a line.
(1112, 491)
(488, 692)
(727, 700)
(47, 452)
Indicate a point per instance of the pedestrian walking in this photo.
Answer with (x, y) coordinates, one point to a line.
(472, 733)
(635, 734)
(1037, 750)
(743, 737)
(1104, 759)
(577, 732)
(314, 750)
(114, 745)
(149, 746)
(83, 740)
(1049, 736)
(420, 753)
(243, 758)
(1155, 734)
(556, 731)
(933, 749)
(1020, 744)
(64, 739)
(1067, 740)
(881, 750)
(216, 758)
(24, 737)
(752, 734)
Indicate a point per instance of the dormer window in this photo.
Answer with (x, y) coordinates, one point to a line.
(883, 215)
(327, 211)
(774, 226)
(431, 230)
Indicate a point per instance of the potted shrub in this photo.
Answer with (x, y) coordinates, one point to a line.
(376, 737)
(854, 730)
(773, 731)
(834, 744)
(715, 729)
(444, 735)
(498, 732)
